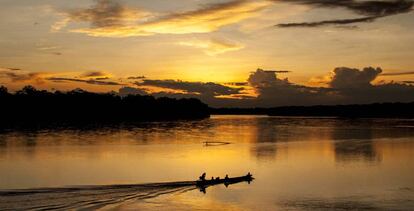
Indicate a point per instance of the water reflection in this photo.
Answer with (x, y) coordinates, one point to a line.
(351, 151)
(279, 151)
(266, 133)
(351, 139)
(328, 204)
(355, 143)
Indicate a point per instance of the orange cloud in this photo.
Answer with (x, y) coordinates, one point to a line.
(114, 20)
(95, 74)
(18, 76)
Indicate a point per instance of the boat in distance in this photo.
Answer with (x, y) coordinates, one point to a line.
(226, 181)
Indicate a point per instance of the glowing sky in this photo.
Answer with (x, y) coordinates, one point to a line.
(176, 45)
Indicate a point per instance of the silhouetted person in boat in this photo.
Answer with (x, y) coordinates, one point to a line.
(203, 176)
(217, 178)
(226, 179)
(250, 178)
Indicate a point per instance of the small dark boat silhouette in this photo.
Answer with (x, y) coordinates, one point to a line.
(226, 181)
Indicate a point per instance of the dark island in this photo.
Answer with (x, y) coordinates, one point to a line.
(30, 106)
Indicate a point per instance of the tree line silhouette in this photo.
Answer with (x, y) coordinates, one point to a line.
(375, 110)
(31, 106)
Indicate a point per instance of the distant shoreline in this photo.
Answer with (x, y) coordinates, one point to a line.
(375, 110)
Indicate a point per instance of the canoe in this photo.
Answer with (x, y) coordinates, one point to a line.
(228, 181)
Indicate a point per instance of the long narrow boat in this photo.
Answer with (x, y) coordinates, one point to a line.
(225, 181)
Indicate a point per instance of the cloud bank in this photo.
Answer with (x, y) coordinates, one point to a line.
(194, 88)
(345, 86)
(263, 88)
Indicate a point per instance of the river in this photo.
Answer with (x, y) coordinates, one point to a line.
(298, 164)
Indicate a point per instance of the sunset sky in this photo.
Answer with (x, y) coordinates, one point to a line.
(311, 51)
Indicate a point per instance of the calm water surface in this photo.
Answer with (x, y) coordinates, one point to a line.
(298, 163)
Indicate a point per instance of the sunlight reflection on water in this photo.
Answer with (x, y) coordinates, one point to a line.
(299, 163)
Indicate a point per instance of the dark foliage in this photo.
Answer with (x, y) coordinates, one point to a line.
(38, 107)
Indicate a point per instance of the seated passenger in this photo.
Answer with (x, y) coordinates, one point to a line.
(203, 177)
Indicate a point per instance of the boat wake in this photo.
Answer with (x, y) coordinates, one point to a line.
(86, 197)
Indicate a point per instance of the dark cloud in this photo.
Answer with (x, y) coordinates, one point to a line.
(136, 77)
(237, 84)
(282, 71)
(13, 69)
(398, 73)
(210, 93)
(372, 10)
(211, 101)
(345, 86)
(94, 74)
(368, 8)
(273, 91)
(355, 86)
(105, 13)
(263, 78)
(277, 71)
(102, 79)
(125, 91)
(23, 77)
(345, 77)
(89, 81)
(328, 22)
(205, 89)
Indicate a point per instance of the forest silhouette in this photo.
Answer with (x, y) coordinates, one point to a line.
(30, 106)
